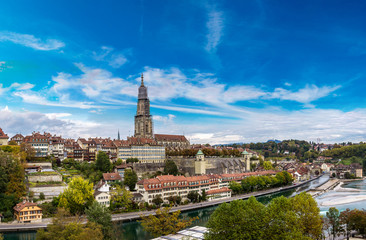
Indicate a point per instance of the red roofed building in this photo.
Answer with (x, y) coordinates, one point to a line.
(218, 193)
(111, 177)
(169, 185)
(3, 138)
(27, 212)
(18, 138)
(172, 142)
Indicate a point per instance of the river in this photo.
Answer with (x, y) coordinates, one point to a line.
(134, 231)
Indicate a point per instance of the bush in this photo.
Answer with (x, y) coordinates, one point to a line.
(42, 196)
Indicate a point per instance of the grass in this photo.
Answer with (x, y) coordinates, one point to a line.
(43, 173)
(41, 184)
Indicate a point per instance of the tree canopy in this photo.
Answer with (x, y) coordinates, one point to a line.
(170, 167)
(103, 163)
(282, 218)
(100, 215)
(164, 222)
(130, 179)
(77, 196)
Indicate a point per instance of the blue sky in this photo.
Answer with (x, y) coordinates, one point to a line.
(217, 71)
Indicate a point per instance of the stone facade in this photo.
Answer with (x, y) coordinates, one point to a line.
(143, 119)
(45, 178)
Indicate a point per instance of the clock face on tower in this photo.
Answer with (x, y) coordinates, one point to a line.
(143, 119)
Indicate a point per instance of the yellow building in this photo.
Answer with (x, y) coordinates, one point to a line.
(27, 212)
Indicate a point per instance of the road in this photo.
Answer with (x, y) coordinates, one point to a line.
(133, 216)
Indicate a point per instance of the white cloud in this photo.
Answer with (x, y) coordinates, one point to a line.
(115, 60)
(305, 95)
(13, 122)
(215, 25)
(165, 119)
(31, 41)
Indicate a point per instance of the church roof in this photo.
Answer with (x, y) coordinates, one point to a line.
(174, 138)
(245, 153)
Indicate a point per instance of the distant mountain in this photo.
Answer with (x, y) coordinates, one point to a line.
(275, 140)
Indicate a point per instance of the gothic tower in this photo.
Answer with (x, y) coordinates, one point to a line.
(143, 119)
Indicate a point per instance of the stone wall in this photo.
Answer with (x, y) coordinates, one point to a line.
(45, 178)
(49, 192)
(147, 168)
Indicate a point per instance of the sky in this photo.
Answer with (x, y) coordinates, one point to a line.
(216, 71)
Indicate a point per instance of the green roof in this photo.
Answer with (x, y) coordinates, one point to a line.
(200, 152)
(245, 153)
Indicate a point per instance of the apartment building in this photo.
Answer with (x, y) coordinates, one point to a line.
(27, 212)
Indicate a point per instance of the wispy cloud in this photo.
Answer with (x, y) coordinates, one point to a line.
(215, 26)
(31, 41)
(305, 95)
(114, 59)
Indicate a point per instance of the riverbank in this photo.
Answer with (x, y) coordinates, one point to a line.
(128, 217)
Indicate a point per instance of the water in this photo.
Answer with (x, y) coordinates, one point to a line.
(134, 230)
(350, 191)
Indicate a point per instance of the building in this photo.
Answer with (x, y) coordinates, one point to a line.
(172, 142)
(120, 169)
(27, 212)
(218, 193)
(169, 185)
(18, 138)
(200, 163)
(143, 119)
(111, 178)
(3, 138)
(40, 143)
(103, 198)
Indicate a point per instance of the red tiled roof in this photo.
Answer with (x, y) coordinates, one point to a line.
(111, 177)
(24, 204)
(219, 190)
(3, 135)
(174, 138)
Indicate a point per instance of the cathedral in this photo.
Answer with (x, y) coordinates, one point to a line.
(144, 124)
(143, 119)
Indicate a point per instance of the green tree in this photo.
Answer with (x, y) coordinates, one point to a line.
(42, 196)
(77, 196)
(103, 163)
(100, 215)
(357, 220)
(193, 196)
(170, 167)
(130, 179)
(307, 210)
(235, 187)
(203, 196)
(132, 160)
(121, 198)
(334, 221)
(66, 227)
(237, 220)
(157, 200)
(164, 222)
(267, 165)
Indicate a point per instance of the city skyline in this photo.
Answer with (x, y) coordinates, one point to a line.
(217, 72)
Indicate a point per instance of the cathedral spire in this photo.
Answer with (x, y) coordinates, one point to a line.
(118, 137)
(142, 79)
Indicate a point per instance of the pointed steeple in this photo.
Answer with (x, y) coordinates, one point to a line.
(118, 138)
(142, 79)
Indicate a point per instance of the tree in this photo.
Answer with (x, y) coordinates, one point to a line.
(357, 220)
(41, 196)
(132, 160)
(100, 215)
(345, 220)
(164, 222)
(170, 167)
(157, 200)
(103, 163)
(66, 227)
(237, 220)
(267, 165)
(130, 179)
(203, 196)
(193, 196)
(121, 198)
(307, 210)
(333, 216)
(77, 196)
(235, 187)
